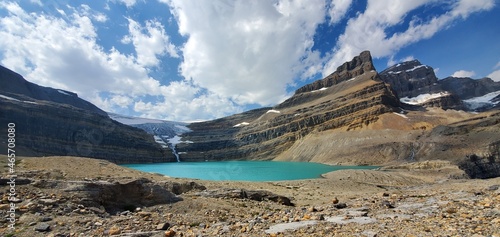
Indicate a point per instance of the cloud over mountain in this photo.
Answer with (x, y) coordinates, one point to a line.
(188, 60)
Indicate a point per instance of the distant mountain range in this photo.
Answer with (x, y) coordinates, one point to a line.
(353, 116)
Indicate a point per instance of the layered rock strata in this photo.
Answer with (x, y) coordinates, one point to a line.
(51, 122)
(352, 97)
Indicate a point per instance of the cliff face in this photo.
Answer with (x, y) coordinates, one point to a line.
(417, 84)
(47, 124)
(359, 65)
(467, 88)
(350, 98)
(410, 79)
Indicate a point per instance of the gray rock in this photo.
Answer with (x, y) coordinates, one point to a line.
(163, 226)
(340, 205)
(42, 227)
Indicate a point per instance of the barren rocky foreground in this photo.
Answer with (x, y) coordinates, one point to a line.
(69, 196)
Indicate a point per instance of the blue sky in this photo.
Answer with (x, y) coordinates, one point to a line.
(202, 59)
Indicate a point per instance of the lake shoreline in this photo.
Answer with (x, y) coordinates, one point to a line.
(429, 199)
(259, 171)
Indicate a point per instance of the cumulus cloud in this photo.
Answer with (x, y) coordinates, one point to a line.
(337, 10)
(393, 61)
(64, 53)
(248, 51)
(128, 3)
(463, 73)
(37, 2)
(150, 42)
(495, 76)
(368, 31)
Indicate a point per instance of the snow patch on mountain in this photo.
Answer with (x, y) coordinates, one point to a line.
(321, 89)
(241, 124)
(273, 111)
(482, 101)
(420, 99)
(63, 92)
(166, 133)
(132, 120)
(14, 99)
(408, 70)
(9, 98)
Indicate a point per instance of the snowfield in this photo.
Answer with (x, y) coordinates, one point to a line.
(241, 124)
(273, 111)
(321, 89)
(420, 99)
(482, 101)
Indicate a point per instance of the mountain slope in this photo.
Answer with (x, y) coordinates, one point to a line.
(350, 98)
(12, 84)
(55, 122)
(416, 84)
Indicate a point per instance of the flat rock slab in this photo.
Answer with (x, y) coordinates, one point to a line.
(358, 220)
(289, 226)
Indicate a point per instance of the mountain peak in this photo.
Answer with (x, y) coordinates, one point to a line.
(357, 66)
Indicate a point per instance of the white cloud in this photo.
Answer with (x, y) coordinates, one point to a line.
(463, 73)
(495, 76)
(37, 2)
(128, 3)
(152, 43)
(392, 61)
(436, 70)
(337, 10)
(122, 100)
(64, 53)
(248, 51)
(368, 30)
(497, 65)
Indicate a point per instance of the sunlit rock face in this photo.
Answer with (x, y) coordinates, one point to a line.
(352, 97)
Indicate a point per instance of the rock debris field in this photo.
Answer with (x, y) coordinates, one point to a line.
(55, 199)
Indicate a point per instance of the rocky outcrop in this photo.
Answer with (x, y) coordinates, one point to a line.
(359, 65)
(483, 166)
(466, 88)
(350, 98)
(50, 128)
(255, 195)
(417, 84)
(113, 197)
(410, 79)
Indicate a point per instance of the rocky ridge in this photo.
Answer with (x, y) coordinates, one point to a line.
(417, 84)
(55, 122)
(352, 97)
(398, 116)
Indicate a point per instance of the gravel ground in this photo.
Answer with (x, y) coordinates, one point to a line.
(393, 202)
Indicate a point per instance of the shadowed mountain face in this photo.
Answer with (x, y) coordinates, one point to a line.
(56, 122)
(350, 98)
(14, 84)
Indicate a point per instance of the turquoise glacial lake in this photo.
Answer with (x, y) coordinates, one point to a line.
(242, 170)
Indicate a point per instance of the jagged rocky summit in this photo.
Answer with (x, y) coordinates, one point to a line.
(52, 122)
(416, 84)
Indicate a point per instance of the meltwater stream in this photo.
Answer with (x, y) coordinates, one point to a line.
(243, 170)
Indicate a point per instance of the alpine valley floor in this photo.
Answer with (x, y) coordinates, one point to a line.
(70, 196)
